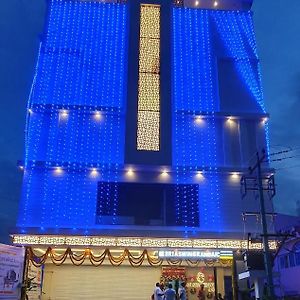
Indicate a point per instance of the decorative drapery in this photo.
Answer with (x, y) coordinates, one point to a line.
(97, 260)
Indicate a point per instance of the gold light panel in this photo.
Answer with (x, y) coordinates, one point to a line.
(148, 134)
(136, 242)
(149, 56)
(150, 21)
(148, 131)
(149, 92)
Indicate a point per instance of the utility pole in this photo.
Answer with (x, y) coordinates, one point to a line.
(265, 238)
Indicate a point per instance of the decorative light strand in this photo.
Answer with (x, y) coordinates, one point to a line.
(80, 70)
(148, 119)
(136, 242)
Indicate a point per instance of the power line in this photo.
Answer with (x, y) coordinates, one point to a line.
(285, 151)
(283, 158)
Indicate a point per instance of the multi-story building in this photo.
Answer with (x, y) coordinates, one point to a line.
(142, 118)
(287, 260)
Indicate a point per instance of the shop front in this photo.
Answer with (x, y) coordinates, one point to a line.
(128, 268)
(126, 282)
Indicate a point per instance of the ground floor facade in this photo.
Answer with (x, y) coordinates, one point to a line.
(126, 282)
(113, 267)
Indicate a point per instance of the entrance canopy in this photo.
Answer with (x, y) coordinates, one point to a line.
(131, 250)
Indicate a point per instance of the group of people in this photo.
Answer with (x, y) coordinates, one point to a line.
(169, 293)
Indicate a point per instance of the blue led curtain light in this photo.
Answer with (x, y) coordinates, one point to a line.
(75, 114)
(193, 91)
(197, 142)
(237, 35)
(75, 127)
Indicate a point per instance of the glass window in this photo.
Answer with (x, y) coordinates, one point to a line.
(282, 262)
(292, 259)
(297, 258)
(286, 261)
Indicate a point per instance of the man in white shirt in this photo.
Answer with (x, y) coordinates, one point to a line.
(158, 293)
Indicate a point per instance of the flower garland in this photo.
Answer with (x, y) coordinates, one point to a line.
(77, 260)
(97, 260)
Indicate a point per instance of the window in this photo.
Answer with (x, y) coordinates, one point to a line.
(282, 262)
(297, 258)
(291, 259)
(147, 204)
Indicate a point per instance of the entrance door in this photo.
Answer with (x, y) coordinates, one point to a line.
(228, 287)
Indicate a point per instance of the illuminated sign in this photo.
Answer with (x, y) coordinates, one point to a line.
(198, 254)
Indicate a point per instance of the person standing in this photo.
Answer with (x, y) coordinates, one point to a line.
(158, 293)
(170, 293)
(182, 292)
(201, 293)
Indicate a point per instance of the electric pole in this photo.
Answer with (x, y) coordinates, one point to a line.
(265, 238)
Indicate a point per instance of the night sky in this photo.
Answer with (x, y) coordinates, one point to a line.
(278, 36)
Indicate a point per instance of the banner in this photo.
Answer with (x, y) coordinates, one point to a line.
(11, 271)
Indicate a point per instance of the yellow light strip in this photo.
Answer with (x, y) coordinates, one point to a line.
(148, 118)
(135, 242)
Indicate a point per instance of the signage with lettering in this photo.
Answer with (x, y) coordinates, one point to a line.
(173, 271)
(195, 254)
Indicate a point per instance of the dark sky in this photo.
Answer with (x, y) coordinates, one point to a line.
(278, 35)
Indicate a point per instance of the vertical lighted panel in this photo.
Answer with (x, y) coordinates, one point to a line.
(195, 147)
(75, 124)
(200, 38)
(148, 133)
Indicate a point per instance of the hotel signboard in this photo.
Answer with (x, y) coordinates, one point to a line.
(196, 254)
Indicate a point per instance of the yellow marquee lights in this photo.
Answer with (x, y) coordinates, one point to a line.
(180, 243)
(150, 21)
(154, 243)
(149, 92)
(129, 242)
(148, 134)
(136, 242)
(51, 240)
(148, 131)
(149, 60)
(102, 241)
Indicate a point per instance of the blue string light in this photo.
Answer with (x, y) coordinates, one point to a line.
(75, 127)
(75, 114)
(195, 147)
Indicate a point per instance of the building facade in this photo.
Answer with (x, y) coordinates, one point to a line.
(142, 118)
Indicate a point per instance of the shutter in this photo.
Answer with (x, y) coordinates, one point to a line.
(69, 282)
